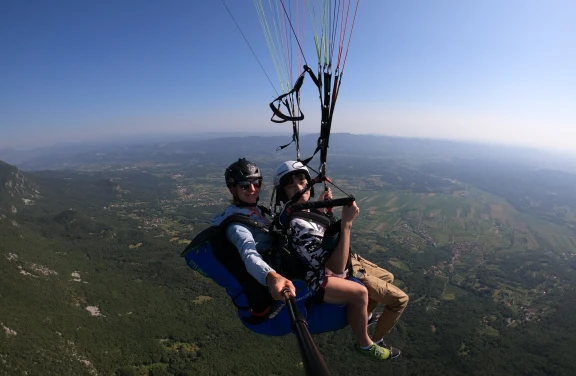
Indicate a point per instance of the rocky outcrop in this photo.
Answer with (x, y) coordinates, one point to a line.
(15, 188)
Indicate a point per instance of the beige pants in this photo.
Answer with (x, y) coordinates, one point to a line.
(378, 281)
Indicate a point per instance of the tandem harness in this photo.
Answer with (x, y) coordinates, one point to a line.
(288, 263)
(213, 256)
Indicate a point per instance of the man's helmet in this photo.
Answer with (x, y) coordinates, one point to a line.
(241, 170)
(286, 170)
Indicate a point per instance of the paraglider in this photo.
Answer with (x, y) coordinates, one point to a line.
(331, 24)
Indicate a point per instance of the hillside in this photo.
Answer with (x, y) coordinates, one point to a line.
(16, 189)
(91, 281)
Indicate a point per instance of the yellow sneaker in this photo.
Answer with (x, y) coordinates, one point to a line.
(394, 352)
(375, 352)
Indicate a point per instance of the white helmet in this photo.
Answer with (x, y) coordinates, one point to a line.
(289, 168)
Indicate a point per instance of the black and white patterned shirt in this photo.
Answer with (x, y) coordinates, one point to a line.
(307, 243)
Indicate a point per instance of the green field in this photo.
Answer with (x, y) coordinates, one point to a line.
(469, 215)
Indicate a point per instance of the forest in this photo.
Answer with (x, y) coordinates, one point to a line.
(92, 282)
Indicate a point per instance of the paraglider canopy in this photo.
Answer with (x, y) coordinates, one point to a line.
(285, 25)
(289, 28)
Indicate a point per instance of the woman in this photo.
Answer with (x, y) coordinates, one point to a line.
(326, 267)
(244, 181)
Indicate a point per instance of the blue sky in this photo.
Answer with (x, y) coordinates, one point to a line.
(498, 71)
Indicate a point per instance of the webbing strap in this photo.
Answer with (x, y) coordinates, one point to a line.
(246, 220)
(279, 117)
(257, 317)
(313, 216)
(276, 103)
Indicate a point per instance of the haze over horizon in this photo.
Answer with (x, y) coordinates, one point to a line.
(477, 71)
(169, 137)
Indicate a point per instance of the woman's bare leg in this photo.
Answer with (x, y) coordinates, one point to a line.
(355, 296)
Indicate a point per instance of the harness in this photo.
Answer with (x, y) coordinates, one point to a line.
(288, 264)
(212, 255)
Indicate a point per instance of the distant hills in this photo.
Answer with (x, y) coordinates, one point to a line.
(15, 188)
(220, 149)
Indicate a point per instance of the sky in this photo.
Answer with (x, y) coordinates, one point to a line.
(495, 71)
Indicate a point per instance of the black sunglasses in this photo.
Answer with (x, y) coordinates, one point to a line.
(244, 185)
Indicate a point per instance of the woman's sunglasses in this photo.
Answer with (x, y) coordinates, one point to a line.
(244, 185)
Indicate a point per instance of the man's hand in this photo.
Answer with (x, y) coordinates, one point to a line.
(276, 283)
